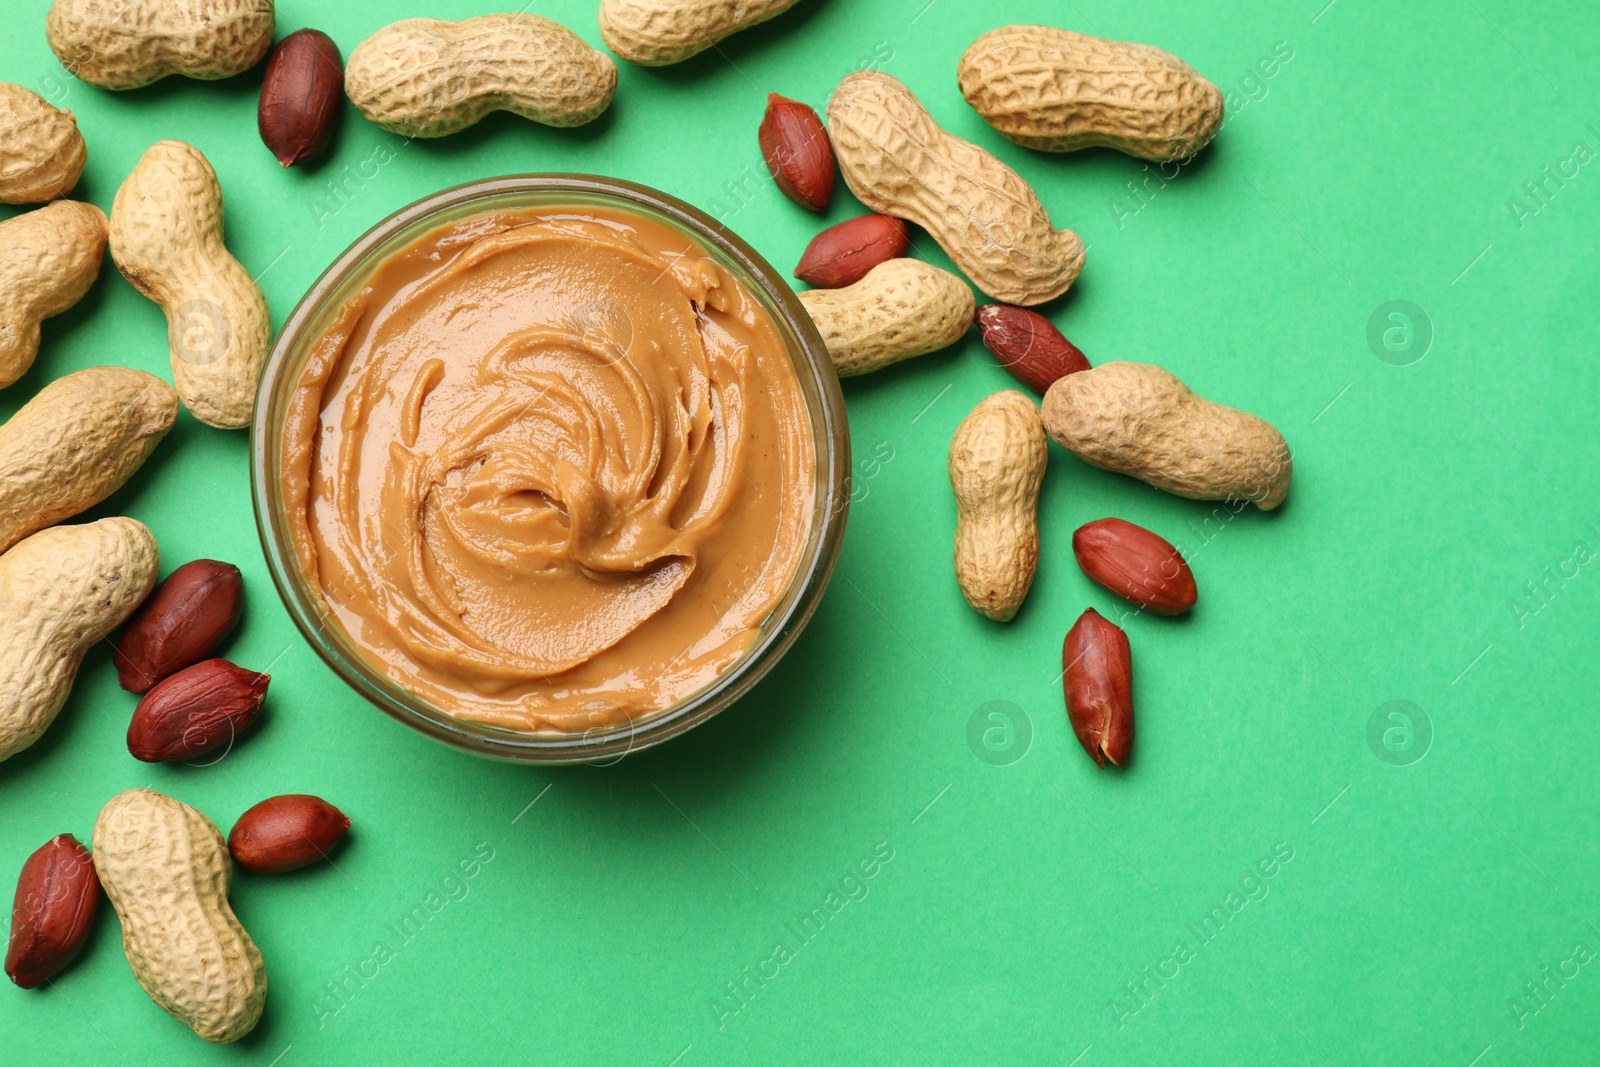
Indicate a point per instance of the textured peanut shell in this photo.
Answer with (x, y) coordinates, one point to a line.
(429, 78)
(166, 239)
(61, 591)
(166, 870)
(654, 33)
(41, 151)
(75, 443)
(1138, 419)
(902, 308)
(48, 259)
(123, 44)
(1060, 91)
(898, 162)
(997, 461)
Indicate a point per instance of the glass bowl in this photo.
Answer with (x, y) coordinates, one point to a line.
(819, 386)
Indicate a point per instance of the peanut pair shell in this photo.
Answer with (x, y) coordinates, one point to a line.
(167, 240)
(430, 77)
(61, 591)
(49, 259)
(126, 44)
(1059, 91)
(76, 442)
(997, 463)
(655, 33)
(902, 308)
(898, 162)
(1140, 420)
(167, 872)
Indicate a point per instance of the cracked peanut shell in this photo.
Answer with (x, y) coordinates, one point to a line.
(1060, 91)
(898, 162)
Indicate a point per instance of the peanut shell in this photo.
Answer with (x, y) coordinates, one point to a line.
(76, 443)
(166, 870)
(654, 33)
(124, 44)
(997, 463)
(1137, 419)
(902, 308)
(430, 77)
(61, 591)
(166, 239)
(898, 162)
(1060, 91)
(41, 151)
(49, 258)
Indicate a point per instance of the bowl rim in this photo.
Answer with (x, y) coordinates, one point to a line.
(778, 633)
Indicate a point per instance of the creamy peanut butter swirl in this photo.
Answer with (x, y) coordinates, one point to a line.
(551, 470)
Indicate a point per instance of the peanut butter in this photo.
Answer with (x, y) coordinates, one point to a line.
(551, 469)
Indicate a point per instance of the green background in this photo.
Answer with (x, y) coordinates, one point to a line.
(1026, 887)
